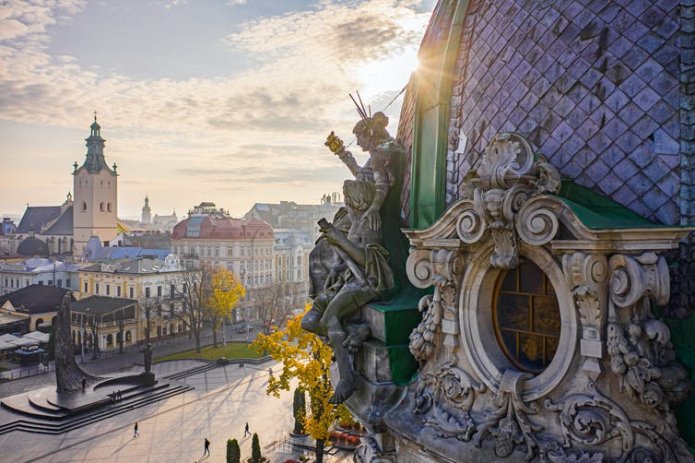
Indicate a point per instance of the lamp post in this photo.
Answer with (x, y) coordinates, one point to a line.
(247, 325)
(81, 338)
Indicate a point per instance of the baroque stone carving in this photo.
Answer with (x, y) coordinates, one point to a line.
(509, 424)
(586, 274)
(508, 174)
(640, 348)
(592, 419)
(438, 268)
(349, 264)
(449, 394)
(369, 452)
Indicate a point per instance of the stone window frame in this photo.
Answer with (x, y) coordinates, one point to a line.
(476, 304)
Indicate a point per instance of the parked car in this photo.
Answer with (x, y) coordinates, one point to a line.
(243, 328)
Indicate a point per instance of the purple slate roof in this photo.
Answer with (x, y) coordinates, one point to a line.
(36, 217)
(63, 225)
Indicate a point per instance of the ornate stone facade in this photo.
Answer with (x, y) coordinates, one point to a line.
(606, 395)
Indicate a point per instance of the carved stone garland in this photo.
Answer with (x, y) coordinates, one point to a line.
(639, 345)
(439, 268)
(507, 176)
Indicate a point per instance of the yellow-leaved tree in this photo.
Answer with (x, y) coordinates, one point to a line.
(225, 292)
(307, 358)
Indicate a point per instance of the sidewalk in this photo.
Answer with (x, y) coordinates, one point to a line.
(36, 376)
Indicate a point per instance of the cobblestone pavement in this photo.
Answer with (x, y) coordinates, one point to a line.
(173, 430)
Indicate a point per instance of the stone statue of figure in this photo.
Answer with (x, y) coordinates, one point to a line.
(349, 266)
(147, 354)
(69, 376)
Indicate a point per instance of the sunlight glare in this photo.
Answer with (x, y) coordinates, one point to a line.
(387, 74)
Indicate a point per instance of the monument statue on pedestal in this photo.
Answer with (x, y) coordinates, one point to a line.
(349, 265)
(69, 375)
(147, 354)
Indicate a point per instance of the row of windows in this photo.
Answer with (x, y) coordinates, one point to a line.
(131, 290)
(85, 182)
(216, 251)
(103, 207)
(15, 283)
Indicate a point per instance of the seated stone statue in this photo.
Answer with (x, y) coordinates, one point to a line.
(349, 266)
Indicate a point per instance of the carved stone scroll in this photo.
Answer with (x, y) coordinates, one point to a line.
(449, 395)
(508, 175)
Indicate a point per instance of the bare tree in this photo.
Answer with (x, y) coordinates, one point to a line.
(275, 304)
(193, 291)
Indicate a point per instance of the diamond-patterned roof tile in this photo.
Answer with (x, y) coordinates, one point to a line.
(566, 79)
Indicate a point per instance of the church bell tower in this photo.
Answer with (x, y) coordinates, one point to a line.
(96, 195)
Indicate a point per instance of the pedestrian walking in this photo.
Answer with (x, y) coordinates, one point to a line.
(270, 371)
(246, 429)
(207, 447)
(84, 383)
(136, 433)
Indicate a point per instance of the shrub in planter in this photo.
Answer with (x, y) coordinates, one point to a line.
(256, 456)
(233, 451)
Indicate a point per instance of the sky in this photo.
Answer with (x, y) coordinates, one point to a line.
(227, 101)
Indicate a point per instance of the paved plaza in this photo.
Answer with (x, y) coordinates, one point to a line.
(174, 429)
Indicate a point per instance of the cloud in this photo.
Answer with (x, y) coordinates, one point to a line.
(306, 63)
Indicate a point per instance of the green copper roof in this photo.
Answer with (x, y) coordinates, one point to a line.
(598, 212)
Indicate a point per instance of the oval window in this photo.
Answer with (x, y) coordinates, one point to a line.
(527, 317)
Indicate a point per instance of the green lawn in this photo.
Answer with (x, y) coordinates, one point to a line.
(233, 350)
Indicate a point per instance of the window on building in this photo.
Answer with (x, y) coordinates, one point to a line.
(86, 287)
(50, 282)
(59, 283)
(67, 282)
(108, 290)
(101, 207)
(118, 291)
(96, 290)
(172, 290)
(130, 292)
(108, 207)
(159, 291)
(527, 317)
(147, 292)
(84, 206)
(41, 282)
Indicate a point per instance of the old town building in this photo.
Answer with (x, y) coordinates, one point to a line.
(152, 285)
(210, 236)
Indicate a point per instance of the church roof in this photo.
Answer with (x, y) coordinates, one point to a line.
(35, 218)
(63, 226)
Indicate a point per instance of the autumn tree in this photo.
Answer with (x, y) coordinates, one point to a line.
(225, 291)
(306, 358)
